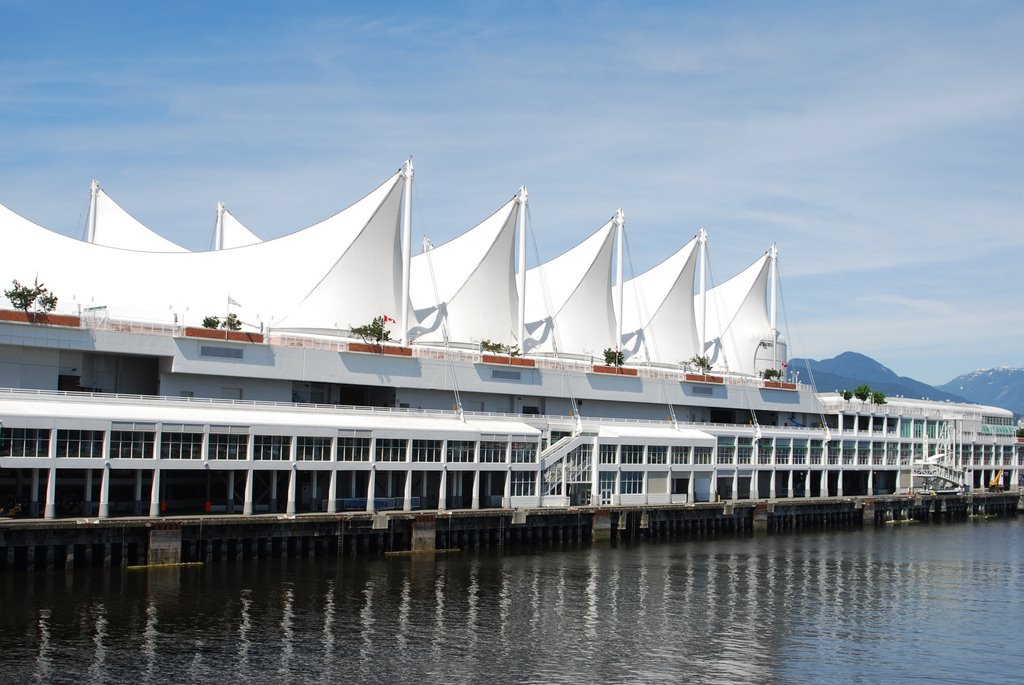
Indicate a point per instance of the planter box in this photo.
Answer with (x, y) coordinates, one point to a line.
(615, 370)
(506, 361)
(221, 334)
(780, 385)
(374, 348)
(700, 378)
(16, 316)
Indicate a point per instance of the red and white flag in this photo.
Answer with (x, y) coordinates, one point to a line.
(388, 319)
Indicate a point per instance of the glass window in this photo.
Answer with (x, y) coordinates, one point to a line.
(632, 454)
(309, 448)
(657, 454)
(461, 451)
(272, 448)
(426, 450)
(25, 442)
(631, 483)
(131, 444)
(524, 452)
(607, 453)
(492, 452)
(76, 443)
(353, 449)
(181, 445)
(228, 446)
(680, 454)
(391, 449)
(524, 484)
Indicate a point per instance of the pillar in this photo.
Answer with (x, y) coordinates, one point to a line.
(839, 484)
(87, 494)
(314, 477)
(475, 503)
(33, 507)
(791, 490)
(230, 508)
(754, 490)
(807, 484)
(154, 494)
(442, 490)
(273, 491)
(407, 490)
(871, 482)
(137, 509)
(247, 497)
(50, 510)
(824, 482)
(104, 510)
(370, 487)
(293, 476)
(332, 492)
(771, 483)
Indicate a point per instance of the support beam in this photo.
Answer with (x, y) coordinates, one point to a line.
(407, 174)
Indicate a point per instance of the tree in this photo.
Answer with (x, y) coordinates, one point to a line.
(862, 393)
(375, 331)
(499, 348)
(847, 395)
(23, 297)
(211, 322)
(614, 357)
(232, 322)
(772, 374)
(878, 397)
(700, 362)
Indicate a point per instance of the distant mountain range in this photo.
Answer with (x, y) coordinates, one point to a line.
(1003, 387)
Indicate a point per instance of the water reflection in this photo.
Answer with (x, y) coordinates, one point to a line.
(801, 608)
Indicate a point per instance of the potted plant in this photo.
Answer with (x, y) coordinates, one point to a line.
(613, 361)
(500, 353)
(374, 335)
(702, 364)
(40, 301)
(773, 379)
(228, 328)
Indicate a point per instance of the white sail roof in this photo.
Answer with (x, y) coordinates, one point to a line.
(569, 299)
(468, 284)
(117, 228)
(658, 323)
(344, 265)
(738, 318)
(233, 233)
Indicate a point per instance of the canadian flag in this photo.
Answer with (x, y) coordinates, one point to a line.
(388, 319)
(784, 364)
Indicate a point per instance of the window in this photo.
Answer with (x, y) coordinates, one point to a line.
(605, 487)
(782, 448)
(680, 454)
(391, 449)
(702, 455)
(272, 448)
(228, 446)
(76, 443)
(461, 451)
(426, 450)
(524, 452)
(492, 452)
(25, 442)
(657, 454)
(524, 484)
(607, 453)
(353, 449)
(131, 444)
(632, 483)
(181, 445)
(632, 454)
(308, 448)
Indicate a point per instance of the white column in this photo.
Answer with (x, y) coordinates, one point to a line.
(442, 490)
(475, 503)
(871, 482)
(735, 485)
(690, 486)
(407, 174)
(50, 509)
(807, 484)
(370, 487)
(702, 241)
(824, 482)
(247, 497)
(772, 299)
(839, 483)
(521, 274)
(407, 502)
(314, 477)
(292, 478)
(753, 485)
(273, 491)
(230, 508)
(218, 231)
(771, 484)
(620, 221)
(94, 190)
(508, 483)
(791, 489)
(154, 493)
(332, 492)
(104, 510)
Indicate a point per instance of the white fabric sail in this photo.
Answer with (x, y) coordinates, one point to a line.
(658, 324)
(569, 299)
(468, 284)
(738, 319)
(234, 234)
(272, 281)
(117, 228)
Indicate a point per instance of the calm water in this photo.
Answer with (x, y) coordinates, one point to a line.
(910, 604)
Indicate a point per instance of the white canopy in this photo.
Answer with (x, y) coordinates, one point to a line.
(658, 324)
(569, 299)
(340, 271)
(232, 233)
(738, 318)
(117, 228)
(469, 284)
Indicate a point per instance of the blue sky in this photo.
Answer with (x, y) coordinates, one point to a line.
(880, 145)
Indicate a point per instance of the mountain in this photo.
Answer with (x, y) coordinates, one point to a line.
(850, 369)
(1002, 387)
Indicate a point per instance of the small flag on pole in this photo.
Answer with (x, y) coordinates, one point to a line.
(388, 319)
(233, 302)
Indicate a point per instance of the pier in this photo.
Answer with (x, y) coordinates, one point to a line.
(69, 544)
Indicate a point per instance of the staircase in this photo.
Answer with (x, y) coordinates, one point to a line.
(941, 471)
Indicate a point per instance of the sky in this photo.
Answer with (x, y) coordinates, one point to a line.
(879, 145)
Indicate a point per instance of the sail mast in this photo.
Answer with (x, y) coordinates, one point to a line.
(522, 198)
(407, 174)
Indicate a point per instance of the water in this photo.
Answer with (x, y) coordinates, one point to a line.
(926, 604)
